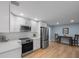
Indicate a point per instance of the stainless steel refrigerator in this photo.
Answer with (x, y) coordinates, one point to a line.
(44, 37)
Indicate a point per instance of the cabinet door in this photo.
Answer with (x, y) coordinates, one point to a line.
(35, 27)
(4, 16)
(27, 22)
(17, 22)
(36, 44)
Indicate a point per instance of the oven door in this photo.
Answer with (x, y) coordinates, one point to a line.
(28, 46)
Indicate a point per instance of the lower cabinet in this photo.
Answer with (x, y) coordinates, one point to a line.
(15, 53)
(11, 49)
(36, 44)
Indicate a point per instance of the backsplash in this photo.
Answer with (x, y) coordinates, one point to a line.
(16, 35)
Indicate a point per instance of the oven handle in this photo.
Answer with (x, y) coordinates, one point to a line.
(27, 42)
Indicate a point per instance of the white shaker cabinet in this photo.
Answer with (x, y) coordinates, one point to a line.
(36, 44)
(4, 16)
(17, 22)
(35, 26)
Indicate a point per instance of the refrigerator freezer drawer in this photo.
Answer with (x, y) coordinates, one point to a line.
(45, 44)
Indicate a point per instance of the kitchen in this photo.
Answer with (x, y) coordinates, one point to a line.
(17, 30)
(39, 29)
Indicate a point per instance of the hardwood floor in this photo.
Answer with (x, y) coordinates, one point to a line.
(55, 50)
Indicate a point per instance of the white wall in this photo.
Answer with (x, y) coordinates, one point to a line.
(51, 33)
(4, 16)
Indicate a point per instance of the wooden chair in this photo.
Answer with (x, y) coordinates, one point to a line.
(76, 39)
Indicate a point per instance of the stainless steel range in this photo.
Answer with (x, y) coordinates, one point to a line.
(27, 45)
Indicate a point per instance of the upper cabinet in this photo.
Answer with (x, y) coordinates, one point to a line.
(11, 20)
(16, 23)
(35, 27)
(4, 16)
(17, 19)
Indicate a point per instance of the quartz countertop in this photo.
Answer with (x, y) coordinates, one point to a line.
(35, 37)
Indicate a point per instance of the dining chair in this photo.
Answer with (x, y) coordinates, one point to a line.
(76, 39)
(56, 38)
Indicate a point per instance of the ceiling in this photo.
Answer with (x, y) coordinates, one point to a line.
(50, 12)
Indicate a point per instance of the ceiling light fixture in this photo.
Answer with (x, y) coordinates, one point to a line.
(57, 23)
(21, 14)
(35, 19)
(71, 21)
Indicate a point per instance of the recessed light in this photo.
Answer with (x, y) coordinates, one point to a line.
(71, 21)
(57, 23)
(21, 14)
(36, 19)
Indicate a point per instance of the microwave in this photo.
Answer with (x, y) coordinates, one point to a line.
(25, 28)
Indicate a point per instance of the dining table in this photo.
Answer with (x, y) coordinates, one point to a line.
(69, 38)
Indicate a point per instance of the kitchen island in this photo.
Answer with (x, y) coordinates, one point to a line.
(10, 49)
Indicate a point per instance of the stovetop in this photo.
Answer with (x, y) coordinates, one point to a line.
(26, 40)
